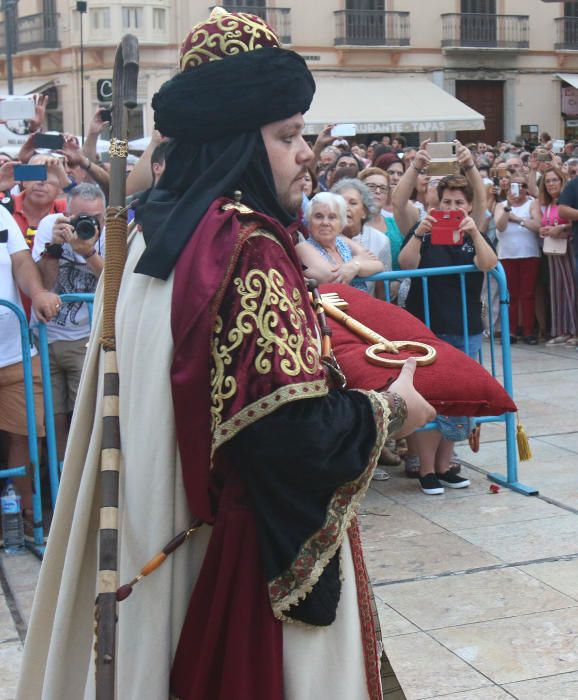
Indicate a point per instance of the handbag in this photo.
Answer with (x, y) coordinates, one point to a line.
(554, 246)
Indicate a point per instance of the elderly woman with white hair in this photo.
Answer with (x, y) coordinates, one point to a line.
(329, 256)
(360, 209)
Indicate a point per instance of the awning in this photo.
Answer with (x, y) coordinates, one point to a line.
(27, 87)
(381, 105)
(571, 78)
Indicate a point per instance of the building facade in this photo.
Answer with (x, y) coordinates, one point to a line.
(514, 61)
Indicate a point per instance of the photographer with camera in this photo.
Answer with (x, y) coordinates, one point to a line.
(69, 251)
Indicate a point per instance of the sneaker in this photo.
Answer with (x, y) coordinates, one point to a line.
(558, 340)
(453, 481)
(380, 474)
(531, 340)
(430, 485)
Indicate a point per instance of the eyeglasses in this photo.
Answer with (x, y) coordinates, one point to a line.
(377, 188)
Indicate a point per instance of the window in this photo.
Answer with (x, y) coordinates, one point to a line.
(239, 5)
(373, 5)
(99, 18)
(255, 7)
(132, 17)
(159, 19)
(479, 7)
(479, 23)
(54, 119)
(135, 123)
(365, 22)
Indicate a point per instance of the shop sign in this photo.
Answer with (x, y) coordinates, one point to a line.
(570, 101)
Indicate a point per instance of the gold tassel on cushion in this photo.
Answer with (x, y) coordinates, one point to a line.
(524, 451)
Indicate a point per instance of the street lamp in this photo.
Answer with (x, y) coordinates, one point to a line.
(81, 7)
(9, 6)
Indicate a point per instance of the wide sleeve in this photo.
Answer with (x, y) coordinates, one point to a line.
(307, 467)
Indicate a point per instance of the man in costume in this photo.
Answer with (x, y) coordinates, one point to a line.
(226, 414)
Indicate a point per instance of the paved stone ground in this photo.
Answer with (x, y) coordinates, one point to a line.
(477, 593)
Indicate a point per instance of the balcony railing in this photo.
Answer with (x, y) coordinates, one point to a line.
(33, 32)
(566, 34)
(278, 18)
(485, 31)
(371, 28)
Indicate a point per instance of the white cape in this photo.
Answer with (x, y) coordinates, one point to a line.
(319, 664)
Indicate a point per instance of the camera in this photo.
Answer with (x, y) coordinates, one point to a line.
(85, 226)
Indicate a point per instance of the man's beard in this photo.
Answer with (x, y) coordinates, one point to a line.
(290, 203)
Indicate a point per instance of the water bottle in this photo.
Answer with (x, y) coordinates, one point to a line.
(12, 525)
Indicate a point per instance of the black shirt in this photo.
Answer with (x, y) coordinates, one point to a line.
(444, 291)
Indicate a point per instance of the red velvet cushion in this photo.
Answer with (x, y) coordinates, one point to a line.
(454, 384)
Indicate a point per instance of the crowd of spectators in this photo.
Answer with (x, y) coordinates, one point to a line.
(52, 242)
(520, 204)
(368, 207)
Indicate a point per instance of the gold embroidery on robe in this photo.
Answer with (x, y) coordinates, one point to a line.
(275, 321)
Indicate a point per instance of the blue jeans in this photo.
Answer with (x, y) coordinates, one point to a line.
(456, 428)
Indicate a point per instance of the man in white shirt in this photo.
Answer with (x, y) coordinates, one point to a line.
(69, 252)
(18, 273)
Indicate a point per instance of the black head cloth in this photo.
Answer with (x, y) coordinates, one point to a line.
(213, 113)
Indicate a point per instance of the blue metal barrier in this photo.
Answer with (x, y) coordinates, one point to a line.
(52, 455)
(38, 541)
(499, 276)
(54, 466)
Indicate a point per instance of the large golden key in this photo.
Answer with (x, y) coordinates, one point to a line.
(380, 346)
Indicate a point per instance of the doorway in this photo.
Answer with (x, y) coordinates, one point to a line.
(487, 98)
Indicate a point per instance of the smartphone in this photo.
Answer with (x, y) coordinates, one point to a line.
(442, 150)
(446, 229)
(344, 130)
(27, 173)
(54, 142)
(106, 115)
(496, 181)
(558, 146)
(14, 108)
(543, 157)
(515, 189)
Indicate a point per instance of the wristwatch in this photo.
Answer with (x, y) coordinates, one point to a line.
(398, 414)
(508, 209)
(53, 250)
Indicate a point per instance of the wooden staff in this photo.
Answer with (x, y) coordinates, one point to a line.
(125, 76)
